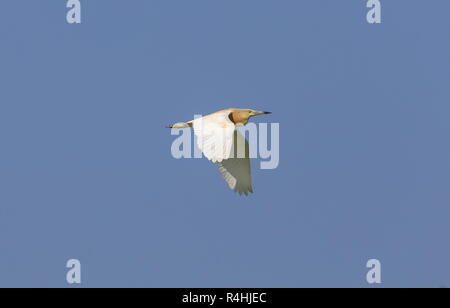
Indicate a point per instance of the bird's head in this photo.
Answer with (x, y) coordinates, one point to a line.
(241, 116)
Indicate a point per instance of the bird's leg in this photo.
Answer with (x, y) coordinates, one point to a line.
(180, 125)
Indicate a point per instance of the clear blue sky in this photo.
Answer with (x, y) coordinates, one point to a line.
(85, 164)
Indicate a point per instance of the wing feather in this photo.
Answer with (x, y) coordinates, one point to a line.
(214, 136)
(236, 170)
(222, 144)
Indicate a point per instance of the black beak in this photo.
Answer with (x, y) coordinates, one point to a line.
(267, 112)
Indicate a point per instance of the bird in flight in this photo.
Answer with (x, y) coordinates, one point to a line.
(224, 145)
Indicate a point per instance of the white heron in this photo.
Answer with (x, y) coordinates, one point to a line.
(224, 145)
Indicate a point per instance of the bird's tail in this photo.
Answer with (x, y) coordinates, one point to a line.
(180, 125)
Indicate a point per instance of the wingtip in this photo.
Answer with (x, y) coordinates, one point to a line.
(246, 192)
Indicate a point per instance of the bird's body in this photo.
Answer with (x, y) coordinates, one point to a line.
(236, 116)
(222, 144)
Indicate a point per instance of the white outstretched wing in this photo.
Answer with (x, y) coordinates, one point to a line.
(236, 170)
(214, 135)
